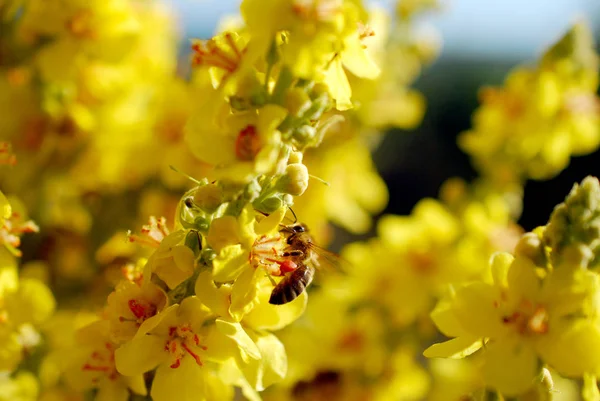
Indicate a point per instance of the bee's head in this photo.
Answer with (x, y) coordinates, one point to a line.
(294, 229)
(299, 228)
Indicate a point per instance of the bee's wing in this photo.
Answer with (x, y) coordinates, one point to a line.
(328, 261)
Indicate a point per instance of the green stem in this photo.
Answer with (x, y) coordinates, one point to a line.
(284, 81)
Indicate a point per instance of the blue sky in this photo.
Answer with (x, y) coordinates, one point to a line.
(516, 29)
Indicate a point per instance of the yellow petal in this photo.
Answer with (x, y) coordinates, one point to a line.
(511, 367)
(230, 262)
(223, 231)
(456, 348)
(500, 264)
(112, 390)
(33, 302)
(192, 311)
(444, 317)
(243, 292)
(11, 351)
(265, 316)
(136, 384)
(271, 367)
(269, 118)
(5, 209)
(572, 350)
(356, 59)
(219, 348)
(590, 390)
(187, 382)
(216, 299)
(140, 355)
(150, 324)
(236, 333)
(338, 84)
(474, 308)
(270, 223)
(522, 279)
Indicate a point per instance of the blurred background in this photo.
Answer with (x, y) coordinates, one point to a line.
(481, 42)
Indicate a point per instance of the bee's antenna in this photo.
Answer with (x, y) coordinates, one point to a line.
(322, 181)
(185, 175)
(294, 214)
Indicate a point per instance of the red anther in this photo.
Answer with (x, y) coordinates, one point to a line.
(287, 266)
(172, 331)
(137, 308)
(189, 351)
(512, 318)
(87, 366)
(175, 364)
(247, 144)
(173, 347)
(232, 45)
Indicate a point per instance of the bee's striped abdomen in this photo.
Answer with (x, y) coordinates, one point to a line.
(292, 285)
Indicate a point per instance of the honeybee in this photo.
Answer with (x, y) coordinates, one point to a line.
(300, 257)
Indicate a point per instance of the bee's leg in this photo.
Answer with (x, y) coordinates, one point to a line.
(294, 253)
(271, 279)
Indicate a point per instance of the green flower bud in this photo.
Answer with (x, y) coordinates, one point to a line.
(530, 246)
(576, 45)
(208, 197)
(259, 98)
(294, 181)
(575, 223)
(304, 134)
(201, 223)
(269, 205)
(193, 240)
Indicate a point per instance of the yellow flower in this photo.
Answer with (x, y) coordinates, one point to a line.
(13, 224)
(92, 365)
(249, 257)
(240, 146)
(523, 317)
(183, 342)
(130, 304)
(322, 38)
(454, 379)
(541, 117)
(24, 306)
(21, 387)
(262, 318)
(172, 261)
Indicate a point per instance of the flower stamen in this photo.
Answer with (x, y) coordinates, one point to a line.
(247, 144)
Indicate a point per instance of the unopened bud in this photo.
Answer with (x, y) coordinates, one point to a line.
(305, 134)
(295, 157)
(269, 205)
(530, 246)
(295, 179)
(208, 197)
